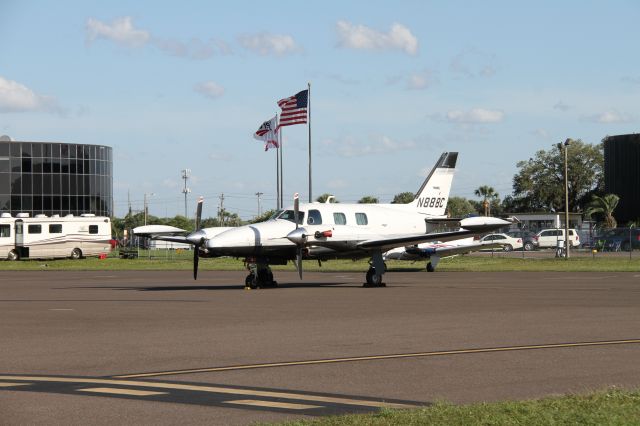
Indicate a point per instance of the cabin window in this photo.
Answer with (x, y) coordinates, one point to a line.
(55, 228)
(289, 215)
(361, 219)
(339, 219)
(5, 231)
(93, 229)
(34, 229)
(315, 218)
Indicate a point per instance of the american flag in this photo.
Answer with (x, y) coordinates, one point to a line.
(294, 109)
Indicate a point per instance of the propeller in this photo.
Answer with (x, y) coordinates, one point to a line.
(197, 238)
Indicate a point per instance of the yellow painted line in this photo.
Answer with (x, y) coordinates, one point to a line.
(119, 391)
(380, 357)
(12, 384)
(272, 404)
(212, 389)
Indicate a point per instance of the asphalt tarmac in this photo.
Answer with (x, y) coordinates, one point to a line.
(106, 347)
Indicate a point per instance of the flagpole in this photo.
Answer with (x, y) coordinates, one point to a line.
(309, 127)
(281, 169)
(278, 206)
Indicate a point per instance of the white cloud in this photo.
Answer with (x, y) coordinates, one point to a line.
(562, 106)
(541, 133)
(269, 44)
(121, 31)
(194, 49)
(398, 37)
(609, 117)
(472, 62)
(210, 89)
(476, 115)
(16, 97)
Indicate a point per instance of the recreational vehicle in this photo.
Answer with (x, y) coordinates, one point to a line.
(41, 237)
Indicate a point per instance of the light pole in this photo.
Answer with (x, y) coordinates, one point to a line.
(259, 194)
(566, 197)
(146, 205)
(186, 173)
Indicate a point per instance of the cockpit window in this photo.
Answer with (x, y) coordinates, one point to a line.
(315, 218)
(289, 215)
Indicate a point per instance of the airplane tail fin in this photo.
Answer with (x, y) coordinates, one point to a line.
(432, 197)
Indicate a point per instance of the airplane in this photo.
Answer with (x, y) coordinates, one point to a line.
(324, 231)
(433, 252)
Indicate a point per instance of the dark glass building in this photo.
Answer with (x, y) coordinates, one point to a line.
(55, 178)
(622, 175)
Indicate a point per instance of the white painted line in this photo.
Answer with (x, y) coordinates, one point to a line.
(118, 391)
(11, 384)
(272, 404)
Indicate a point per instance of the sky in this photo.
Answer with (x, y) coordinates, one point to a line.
(175, 85)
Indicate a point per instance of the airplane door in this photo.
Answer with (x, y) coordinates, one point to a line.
(19, 233)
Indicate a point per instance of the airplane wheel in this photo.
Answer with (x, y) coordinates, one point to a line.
(13, 255)
(430, 267)
(373, 280)
(251, 282)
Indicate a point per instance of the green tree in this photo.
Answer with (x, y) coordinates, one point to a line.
(264, 216)
(604, 205)
(459, 207)
(181, 222)
(539, 183)
(368, 199)
(489, 198)
(323, 198)
(403, 198)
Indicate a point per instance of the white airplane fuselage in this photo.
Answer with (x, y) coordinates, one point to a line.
(349, 224)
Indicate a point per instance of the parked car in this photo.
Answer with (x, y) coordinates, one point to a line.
(529, 239)
(617, 239)
(548, 238)
(508, 243)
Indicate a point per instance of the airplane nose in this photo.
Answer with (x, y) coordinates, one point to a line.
(297, 236)
(196, 237)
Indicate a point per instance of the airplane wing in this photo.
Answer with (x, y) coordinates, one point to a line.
(454, 250)
(387, 243)
(152, 231)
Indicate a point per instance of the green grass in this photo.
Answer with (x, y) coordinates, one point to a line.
(183, 261)
(610, 407)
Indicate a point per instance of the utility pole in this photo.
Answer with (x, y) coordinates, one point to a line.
(186, 173)
(221, 210)
(259, 194)
(146, 205)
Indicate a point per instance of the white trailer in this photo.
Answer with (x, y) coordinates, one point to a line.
(43, 237)
(7, 236)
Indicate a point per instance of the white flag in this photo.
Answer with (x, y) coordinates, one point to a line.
(268, 133)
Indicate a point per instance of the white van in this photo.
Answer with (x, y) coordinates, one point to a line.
(550, 237)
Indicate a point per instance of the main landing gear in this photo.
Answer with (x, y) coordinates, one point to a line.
(260, 276)
(376, 270)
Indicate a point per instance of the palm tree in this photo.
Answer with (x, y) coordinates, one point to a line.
(605, 205)
(488, 194)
